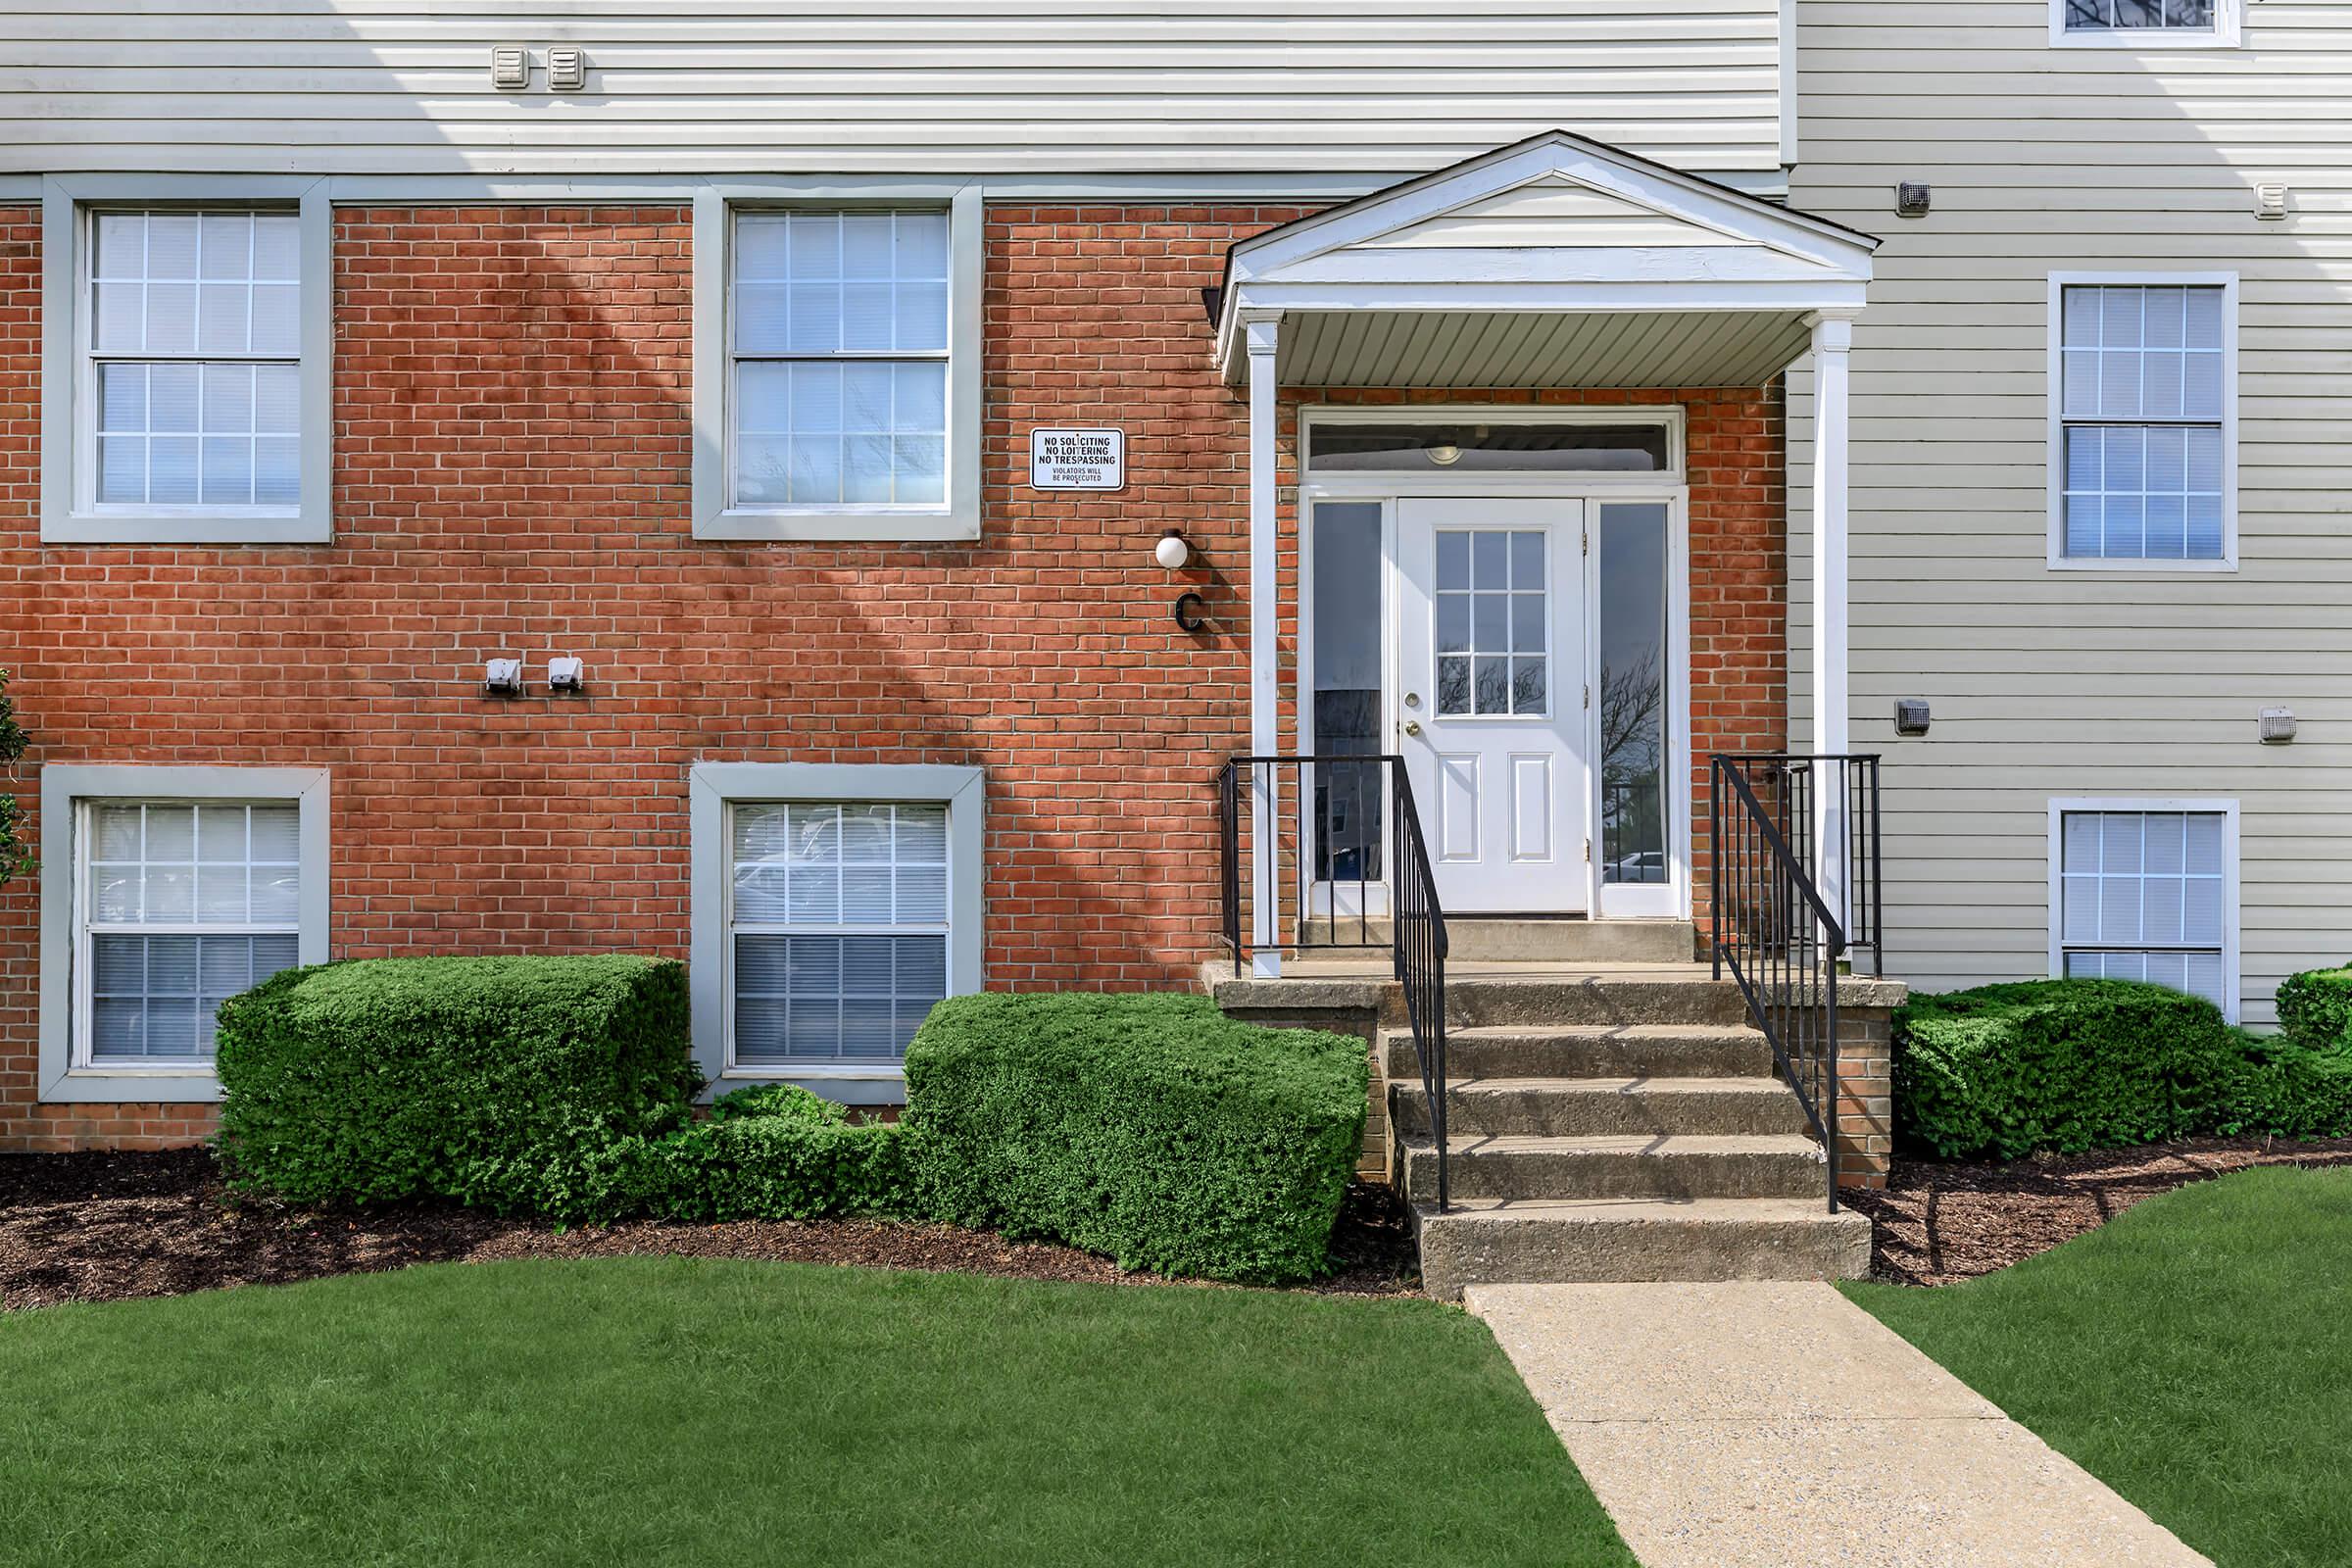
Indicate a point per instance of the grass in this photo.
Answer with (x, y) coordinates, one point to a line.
(679, 1410)
(2195, 1354)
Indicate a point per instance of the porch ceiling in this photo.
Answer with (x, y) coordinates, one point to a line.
(1464, 348)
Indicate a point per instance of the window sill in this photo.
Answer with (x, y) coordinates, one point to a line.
(2143, 38)
(2110, 563)
(187, 526)
(880, 1084)
(132, 1086)
(845, 525)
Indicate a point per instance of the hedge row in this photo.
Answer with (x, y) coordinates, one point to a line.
(1153, 1129)
(2004, 1071)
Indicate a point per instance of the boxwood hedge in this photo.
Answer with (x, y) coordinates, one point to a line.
(1149, 1127)
(462, 1078)
(2315, 1008)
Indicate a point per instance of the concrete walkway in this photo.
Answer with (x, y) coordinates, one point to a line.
(1725, 1426)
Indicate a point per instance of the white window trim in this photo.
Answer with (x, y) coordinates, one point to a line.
(63, 787)
(70, 513)
(715, 515)
(712, 788)
(2226, 33)
(2227, 810)
(2055, 460)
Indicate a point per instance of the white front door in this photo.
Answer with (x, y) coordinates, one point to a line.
(1492, 695)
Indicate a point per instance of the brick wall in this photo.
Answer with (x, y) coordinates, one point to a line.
(511, 451)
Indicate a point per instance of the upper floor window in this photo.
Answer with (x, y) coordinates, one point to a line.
(2193, 22)
(838, 390)
(2144, 423)
(185, 393)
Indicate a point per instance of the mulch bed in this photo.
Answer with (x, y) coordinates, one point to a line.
(97, 1227)
(1938, 1224)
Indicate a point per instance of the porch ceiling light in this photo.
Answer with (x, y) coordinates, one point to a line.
(1172, 552)
(1445, 454)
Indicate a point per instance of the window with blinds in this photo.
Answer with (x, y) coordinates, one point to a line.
(2144, 896)
(184, 905)
(837, 928)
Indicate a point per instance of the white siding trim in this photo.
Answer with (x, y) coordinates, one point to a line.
(2226, 33)
(715, 517)
(710, 788)
(68, 514)
(2228, 811)
(63, 787)
(2055, 451)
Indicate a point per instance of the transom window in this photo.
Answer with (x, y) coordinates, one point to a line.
(182, 906)
(838, 928)
(2142, 389)
(1493, 616)
(2144, 896)
(192, 336)
(840, 359)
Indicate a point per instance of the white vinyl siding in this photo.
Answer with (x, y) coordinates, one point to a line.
(2119, 679)
(193, 356)
(840, 359)
(183, 905)
(1291, 88)
(837, 929)
(2143, 409)
(2144, 896)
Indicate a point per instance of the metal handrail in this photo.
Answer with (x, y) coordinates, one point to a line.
(1416, 940)
(1772, 926)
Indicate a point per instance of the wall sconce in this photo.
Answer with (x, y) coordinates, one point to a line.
(1172, 552)
(504, 678)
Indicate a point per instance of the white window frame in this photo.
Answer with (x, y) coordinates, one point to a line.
(713, 788)
(2227, 810)
(65, 1073)
(2055, 460)
(2226, 33)
(715, 516)
(69, 509)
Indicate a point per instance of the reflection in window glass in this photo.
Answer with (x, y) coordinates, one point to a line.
(1346, 649)
(1632, 693)
(1489, 605)
(1490, 447)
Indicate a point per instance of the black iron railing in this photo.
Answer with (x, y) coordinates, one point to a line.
(1330, 836)
(1785, 917)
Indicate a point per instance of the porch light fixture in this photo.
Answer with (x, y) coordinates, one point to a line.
(1172, 552)
(1445, 454)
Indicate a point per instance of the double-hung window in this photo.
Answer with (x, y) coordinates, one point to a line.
(833, 907)
(837, 370)
(2143, 422)
(2147, 895)
(168, 891)
(185, 390)
(2172, 24)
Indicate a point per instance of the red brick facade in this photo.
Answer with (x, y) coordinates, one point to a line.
(512, 456)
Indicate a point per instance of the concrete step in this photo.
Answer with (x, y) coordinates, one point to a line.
(1673, 994)
(1487, 1242)
(1476, 939)
(1556, 1107)
(1616, 1165)
(1587, 1051)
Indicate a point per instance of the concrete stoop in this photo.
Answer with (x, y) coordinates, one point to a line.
(1605, 1128)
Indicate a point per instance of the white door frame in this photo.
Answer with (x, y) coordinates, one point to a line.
(1670, 899)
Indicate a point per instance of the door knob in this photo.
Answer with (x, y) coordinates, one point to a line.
(1412, 726)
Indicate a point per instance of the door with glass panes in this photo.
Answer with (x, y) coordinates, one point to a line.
(1492, 697)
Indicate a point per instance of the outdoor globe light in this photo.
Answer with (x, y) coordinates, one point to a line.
(1172, 552)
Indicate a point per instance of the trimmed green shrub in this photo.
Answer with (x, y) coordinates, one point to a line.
(2066, 1066)
(1151, 1128)
(2282, 1089)
(476, 1079)
(779, 1102)
(2315, 1008)
(740, 1167)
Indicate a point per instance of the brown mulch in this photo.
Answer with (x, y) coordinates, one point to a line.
(96, 1227)
(1938, 1224)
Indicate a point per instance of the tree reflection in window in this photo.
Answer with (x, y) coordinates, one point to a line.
(1632, 693)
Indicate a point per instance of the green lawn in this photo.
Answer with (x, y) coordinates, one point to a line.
(2195, 1354)
(696, 1411)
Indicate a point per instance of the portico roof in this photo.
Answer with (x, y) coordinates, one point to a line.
(1552, 262)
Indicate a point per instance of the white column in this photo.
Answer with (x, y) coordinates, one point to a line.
(1265, 686)
(1833, 346)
